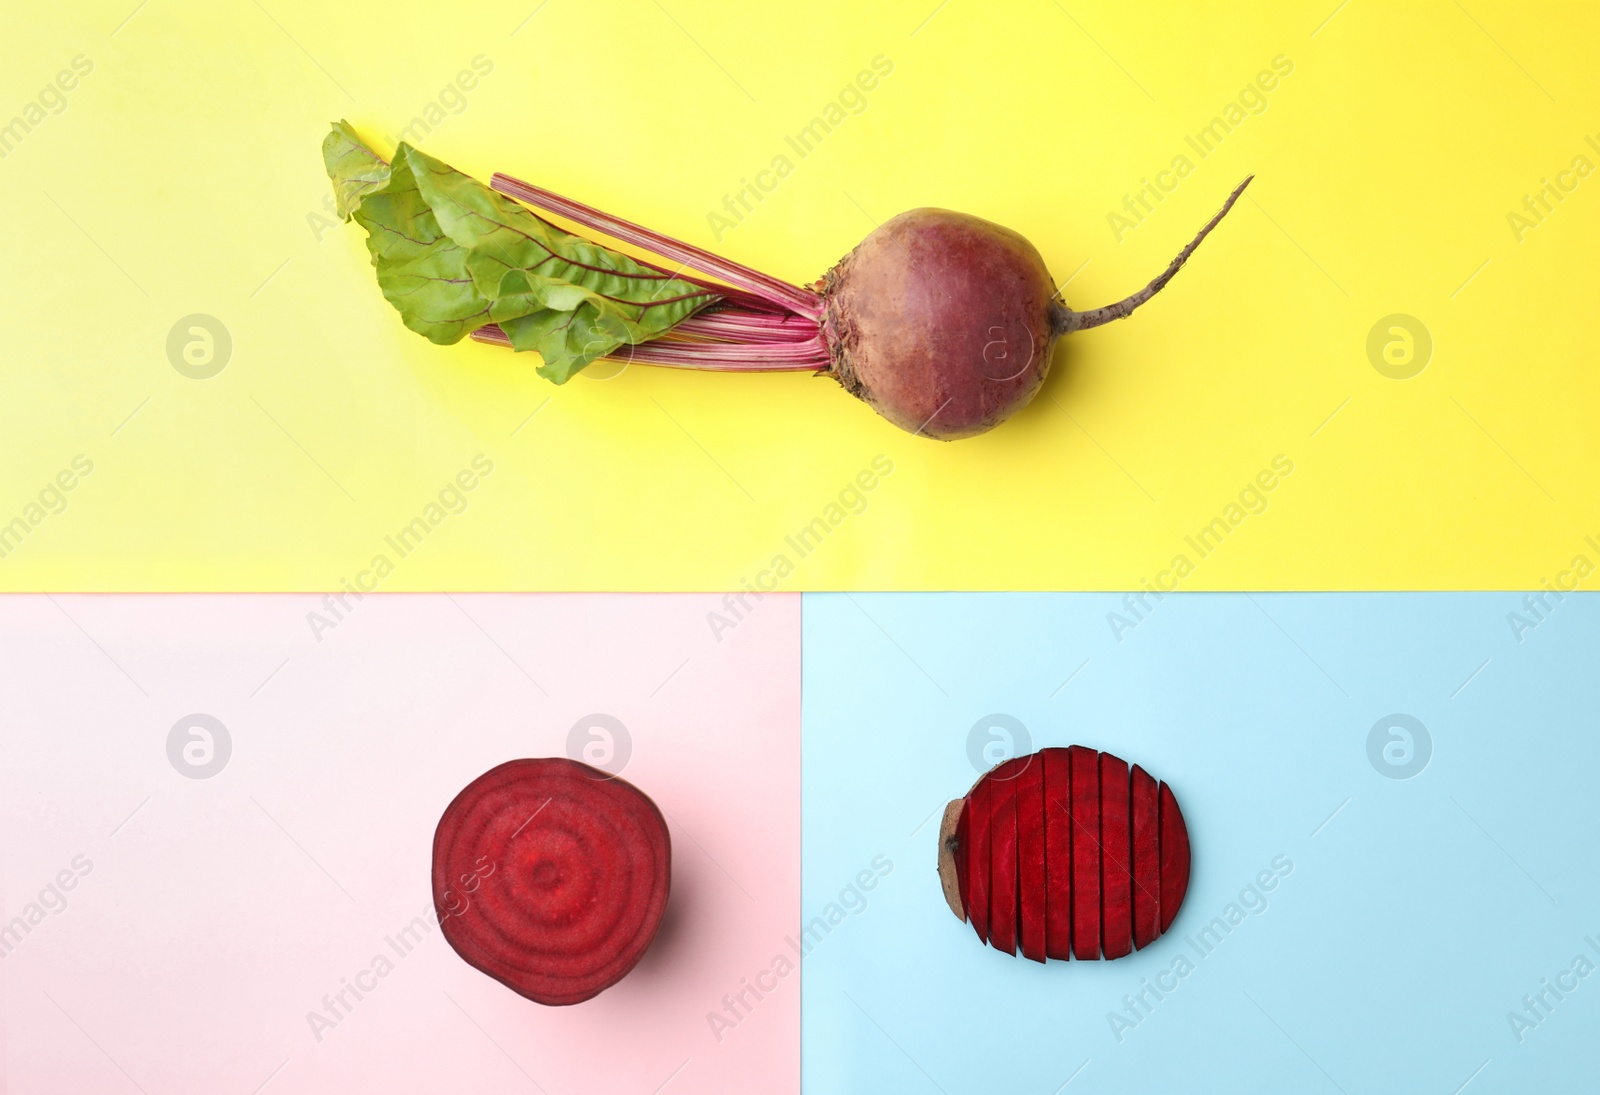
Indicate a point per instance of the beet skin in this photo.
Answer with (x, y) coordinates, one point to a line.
(941, 322)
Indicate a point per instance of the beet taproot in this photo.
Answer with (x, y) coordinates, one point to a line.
(1102, 872)
(551, 877)
(943, 323)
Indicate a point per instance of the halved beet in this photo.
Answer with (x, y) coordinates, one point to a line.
(1116, 859)
(1065, 852)
(1085, 852)
(1174, 857)
(1146, 859)
(1031, 886)
(1057, 854)
(551, 877)
(1003, 856)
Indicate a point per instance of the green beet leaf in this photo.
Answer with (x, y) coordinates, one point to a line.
(453, 255)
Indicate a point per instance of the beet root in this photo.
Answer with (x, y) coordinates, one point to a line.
(945, 324)
(551, 877)
(942, 322)
(1065, 852)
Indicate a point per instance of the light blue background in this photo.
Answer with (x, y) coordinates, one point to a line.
(1387, 960)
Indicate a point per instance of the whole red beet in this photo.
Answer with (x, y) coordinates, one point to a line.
(942, 322)
(945, 324)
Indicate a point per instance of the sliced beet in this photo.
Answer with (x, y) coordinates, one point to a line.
(1057, 854)
(1003, 855)
(551, 877)
(1085, 775)
(977, 853)
(1174, 857)
(1031, 884)
(1065, 853)
(1146, 859)
(1116, 859)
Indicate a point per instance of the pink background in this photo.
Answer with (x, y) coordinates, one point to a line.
(223, 909)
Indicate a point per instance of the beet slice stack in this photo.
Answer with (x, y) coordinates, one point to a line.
(551, 877)
(1065, 852)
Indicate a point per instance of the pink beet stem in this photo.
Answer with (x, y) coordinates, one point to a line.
(738, 325)
(774, 290)
(735, 357)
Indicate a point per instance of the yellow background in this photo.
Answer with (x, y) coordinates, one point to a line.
(184, 177)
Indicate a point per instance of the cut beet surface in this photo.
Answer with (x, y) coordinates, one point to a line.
(551, 877)
(1030, 859)
(1174, 857)
(1065, 853)
(1085, 852)
(977, 852)
(1116, 859)
(1003, 856)
(1146, 859)
(1057, 854)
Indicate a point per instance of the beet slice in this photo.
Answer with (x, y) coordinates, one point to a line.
(1003, 856)
(1146, 859)
(1174, 857)
(977, 853)
(1116, 859)
(1085, 775)
(1031, 878)
(1057, 854)
(952, 860)
(551, 877)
